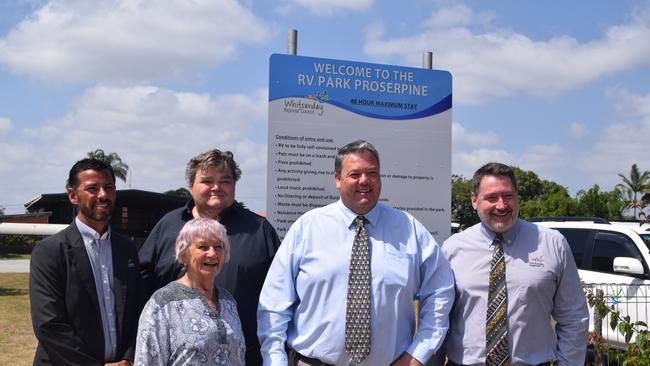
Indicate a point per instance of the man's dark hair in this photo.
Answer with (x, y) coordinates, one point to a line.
(221, 160)
(497, 169)
(353, 148)
(87, 164)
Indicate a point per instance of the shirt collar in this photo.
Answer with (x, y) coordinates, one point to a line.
(187, 212)
(189, 206)
(89, 234)
(349, 216)
(508, 236)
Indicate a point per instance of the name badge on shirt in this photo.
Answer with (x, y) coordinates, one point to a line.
(536, 261)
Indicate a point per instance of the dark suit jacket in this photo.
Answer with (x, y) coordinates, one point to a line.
(65, 310)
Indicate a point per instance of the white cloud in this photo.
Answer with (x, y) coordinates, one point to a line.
(466, 162)
(631, 105)
(456, 15)
(460, 136)
(614, 149)
(326, 7)
(621, 143)
(5, 126)
(126, 41)
(14, 154)
(577, 129)
(154, 130)
(374, 29)
(501, 62)
(544, 160)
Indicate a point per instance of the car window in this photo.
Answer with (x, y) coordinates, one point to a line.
(578, 240)
(609, 245)
(646, 239)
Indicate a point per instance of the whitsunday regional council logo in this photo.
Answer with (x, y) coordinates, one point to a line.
(314, 106)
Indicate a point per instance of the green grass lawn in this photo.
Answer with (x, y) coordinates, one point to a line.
(14, 256)
(17, 341)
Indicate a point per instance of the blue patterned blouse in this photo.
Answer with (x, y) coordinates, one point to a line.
(177, 327)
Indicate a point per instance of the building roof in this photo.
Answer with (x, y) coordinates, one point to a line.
(135, 197)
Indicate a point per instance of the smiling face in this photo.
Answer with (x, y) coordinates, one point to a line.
(204, 258)
(94, 197)
(213, 191)
(359, 182)
(497, 203)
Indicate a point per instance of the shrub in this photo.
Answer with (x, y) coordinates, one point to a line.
(638, 351)
(18, 244)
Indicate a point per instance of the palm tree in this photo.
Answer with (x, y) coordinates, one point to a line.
(637, 182)
(119, 167)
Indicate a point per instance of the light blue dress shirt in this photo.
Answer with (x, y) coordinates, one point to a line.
(100, 254)
(542, 282)
(303, 299)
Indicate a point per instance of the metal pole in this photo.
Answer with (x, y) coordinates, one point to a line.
(292, 42)
(427, 60)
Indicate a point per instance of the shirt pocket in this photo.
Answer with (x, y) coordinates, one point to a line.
(535, 285)
(396, 269)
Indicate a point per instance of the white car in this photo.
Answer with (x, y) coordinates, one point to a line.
(615, 258)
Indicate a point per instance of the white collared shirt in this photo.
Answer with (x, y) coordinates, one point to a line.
(100, 254)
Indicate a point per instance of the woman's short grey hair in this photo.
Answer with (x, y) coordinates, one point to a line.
(201, 228)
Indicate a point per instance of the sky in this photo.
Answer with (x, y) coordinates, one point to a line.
(559, 88)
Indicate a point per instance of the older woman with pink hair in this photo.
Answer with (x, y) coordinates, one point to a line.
(192, 321)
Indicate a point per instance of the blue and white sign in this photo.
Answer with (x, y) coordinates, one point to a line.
(317, 105)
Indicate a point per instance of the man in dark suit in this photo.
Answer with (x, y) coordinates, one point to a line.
(85, 288)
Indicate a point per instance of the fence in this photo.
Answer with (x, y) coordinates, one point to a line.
(609, 346)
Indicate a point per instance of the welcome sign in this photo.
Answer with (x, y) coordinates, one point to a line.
(317, 105)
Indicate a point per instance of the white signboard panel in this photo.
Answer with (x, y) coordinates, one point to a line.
(318, 105)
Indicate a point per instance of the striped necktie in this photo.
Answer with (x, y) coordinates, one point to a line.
(357, 312)
(496, 329)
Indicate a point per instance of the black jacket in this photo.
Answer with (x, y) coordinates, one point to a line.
(64, 305)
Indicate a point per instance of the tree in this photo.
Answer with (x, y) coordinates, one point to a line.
(537, 197)
(637, 182)
(615, 204)
(541, 197)
(119, 167)
(179, 192)
(593, 202)
(529, 186)
(556, 203)
(462, 211)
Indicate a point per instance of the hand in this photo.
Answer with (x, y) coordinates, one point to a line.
(119, 363)
(406, 360)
